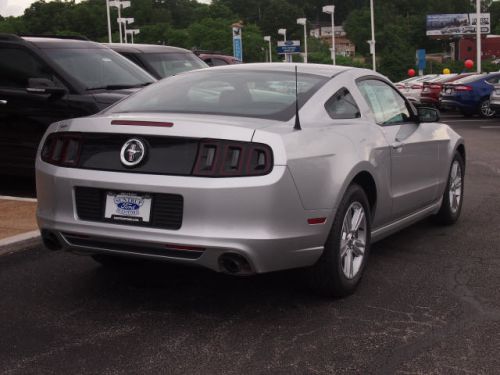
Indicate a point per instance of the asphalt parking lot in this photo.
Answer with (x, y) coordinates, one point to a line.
(429, 304)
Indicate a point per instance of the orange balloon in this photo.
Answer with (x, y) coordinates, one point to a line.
(411, 72)
(469, 64)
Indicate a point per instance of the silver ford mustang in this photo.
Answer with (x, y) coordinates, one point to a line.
(250, 168)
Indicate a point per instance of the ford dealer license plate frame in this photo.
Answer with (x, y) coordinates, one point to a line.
(128, 207)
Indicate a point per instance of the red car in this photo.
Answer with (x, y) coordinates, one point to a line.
(431, 90)
(217, 60)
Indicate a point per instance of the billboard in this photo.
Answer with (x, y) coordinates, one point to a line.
(456, 24)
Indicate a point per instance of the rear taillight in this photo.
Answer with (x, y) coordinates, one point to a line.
(218, 158)
(62, 149)
(463, 88)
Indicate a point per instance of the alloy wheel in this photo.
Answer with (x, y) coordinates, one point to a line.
(353, 240)
(455, 187)
(486, 110)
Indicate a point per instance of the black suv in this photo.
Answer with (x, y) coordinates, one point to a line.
(160, 61)
(47, 79)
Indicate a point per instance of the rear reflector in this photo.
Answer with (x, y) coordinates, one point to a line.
(316, 220)
(142, 123)
(185, 248)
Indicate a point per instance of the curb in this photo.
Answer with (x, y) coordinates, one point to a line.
(20, 242)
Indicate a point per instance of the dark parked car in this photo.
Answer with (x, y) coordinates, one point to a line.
(159, 61)
(432, 90)
(44, 80)
(470, 95)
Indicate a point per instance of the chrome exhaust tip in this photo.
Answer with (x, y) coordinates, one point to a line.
(235, 264)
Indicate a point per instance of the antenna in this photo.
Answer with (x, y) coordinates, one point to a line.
(297, 120)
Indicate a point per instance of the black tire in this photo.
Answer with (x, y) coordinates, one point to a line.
(448, 215)
(486, 113)
(327, 277)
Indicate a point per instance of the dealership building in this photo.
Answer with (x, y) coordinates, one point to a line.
(490, 47)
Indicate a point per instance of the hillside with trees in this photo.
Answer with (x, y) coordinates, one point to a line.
(400, 26)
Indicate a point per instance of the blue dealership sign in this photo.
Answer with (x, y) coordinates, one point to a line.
(237, 44)
(421, 59)
(288, 47)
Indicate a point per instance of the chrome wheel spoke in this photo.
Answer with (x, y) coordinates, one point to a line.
(357, 219)
(349, 265)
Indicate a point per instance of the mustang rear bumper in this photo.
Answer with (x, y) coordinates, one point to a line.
(258, 218)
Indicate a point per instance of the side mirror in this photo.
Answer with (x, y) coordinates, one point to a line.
(426, 114)
(44, 86)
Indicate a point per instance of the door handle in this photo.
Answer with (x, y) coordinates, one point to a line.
(3, 101)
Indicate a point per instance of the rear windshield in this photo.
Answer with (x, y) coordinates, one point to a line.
(98, 68)
(471, 78)
(261, 94)
(169, 64)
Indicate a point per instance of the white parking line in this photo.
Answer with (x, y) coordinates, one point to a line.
(19, 199)
(468, 120)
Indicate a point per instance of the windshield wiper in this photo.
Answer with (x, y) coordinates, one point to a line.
(118, 87)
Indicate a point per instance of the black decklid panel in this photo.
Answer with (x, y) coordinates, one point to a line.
(164, 155)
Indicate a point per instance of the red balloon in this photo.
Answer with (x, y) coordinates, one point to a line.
(411, 72)
(469, 64)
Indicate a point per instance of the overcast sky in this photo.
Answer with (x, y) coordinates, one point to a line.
(17, 7)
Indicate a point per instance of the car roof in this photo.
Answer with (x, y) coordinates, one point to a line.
(145, 48)
(46, 42)
(318, 69)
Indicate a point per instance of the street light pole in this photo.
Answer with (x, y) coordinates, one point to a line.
(133, 32)
(330, 9)
(283, 32)
(119, 22)
(478, 35)
(268, 39)
(125, 21)
(372, 42)
(109, 21)
(119, 4)
(303, 21)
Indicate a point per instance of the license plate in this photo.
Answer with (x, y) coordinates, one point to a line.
(128, 207)
(497, 92)
(448, 91)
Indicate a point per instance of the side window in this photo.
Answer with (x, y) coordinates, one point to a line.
(218, 62)
(342, 105)
(17, 66)
(209, 62)
(387, 105)
(133, 58)
(494, 80)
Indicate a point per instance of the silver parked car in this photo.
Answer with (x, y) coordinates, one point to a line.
(229, 169)
(495, 98)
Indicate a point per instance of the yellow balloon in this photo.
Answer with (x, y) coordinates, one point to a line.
(446, 71)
